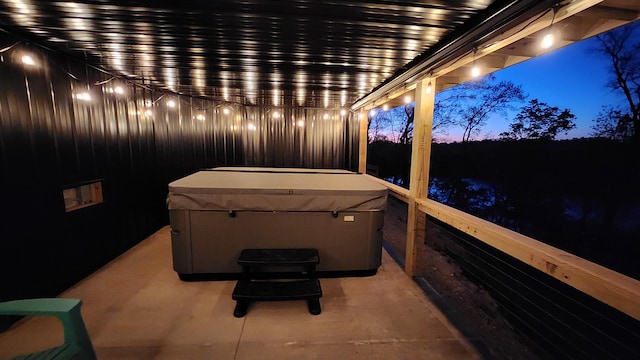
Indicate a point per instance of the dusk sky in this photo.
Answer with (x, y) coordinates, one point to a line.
(572, 77)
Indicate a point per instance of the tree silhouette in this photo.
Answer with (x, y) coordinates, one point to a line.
(470, 104)
(446, 107)
(613, 124)
(538, 120)
(393, 125)
(378, 122)
(621, 47)
(406, 135)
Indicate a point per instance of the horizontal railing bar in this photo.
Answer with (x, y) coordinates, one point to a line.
(610, 287)
(397, 192)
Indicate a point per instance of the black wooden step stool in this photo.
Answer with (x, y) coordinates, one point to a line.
(277, 286)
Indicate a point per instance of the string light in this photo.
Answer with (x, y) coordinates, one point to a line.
(116, 90)
(430, 84)
(407, 99)
(385, 107)
(475, 70)
(84, 96)
(547, 40)
(28, 60)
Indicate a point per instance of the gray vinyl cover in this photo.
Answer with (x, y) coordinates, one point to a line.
(269, 189)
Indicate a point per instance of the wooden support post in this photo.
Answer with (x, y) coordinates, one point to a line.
(419, 175)
(364, 133)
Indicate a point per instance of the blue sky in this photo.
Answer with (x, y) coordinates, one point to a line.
(572, 77)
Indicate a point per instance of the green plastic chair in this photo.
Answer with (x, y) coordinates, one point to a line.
(77, 343)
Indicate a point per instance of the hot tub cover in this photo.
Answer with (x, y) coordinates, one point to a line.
(274, 189)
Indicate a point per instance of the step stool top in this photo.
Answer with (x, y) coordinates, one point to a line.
(291, 256)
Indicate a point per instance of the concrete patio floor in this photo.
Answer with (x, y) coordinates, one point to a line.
(135, 307)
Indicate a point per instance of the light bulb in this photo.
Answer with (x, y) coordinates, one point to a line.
(475, 71)
(85, 96)
(28, 60)
(407, 99)
(429, 87)
(171, 103)
(547, 41)
(385, 107)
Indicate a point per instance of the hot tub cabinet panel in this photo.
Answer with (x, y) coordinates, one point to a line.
(216, 214)
(211, 241)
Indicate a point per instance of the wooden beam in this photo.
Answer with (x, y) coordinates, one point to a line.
(394, 98)
(362, 146)
(528, 47)
(607, 12)
(419, 174)
(512, 60)
(606, 285)
(600, 27)
(396, 191)
(516, 34)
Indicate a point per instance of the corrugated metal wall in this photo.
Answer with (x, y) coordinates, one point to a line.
(136, 142)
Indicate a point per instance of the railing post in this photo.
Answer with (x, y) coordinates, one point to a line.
(364, 129)
(419, 174)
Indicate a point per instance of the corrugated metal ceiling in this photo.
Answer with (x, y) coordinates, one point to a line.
(291, 53)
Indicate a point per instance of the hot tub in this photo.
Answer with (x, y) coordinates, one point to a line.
(216, 213)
